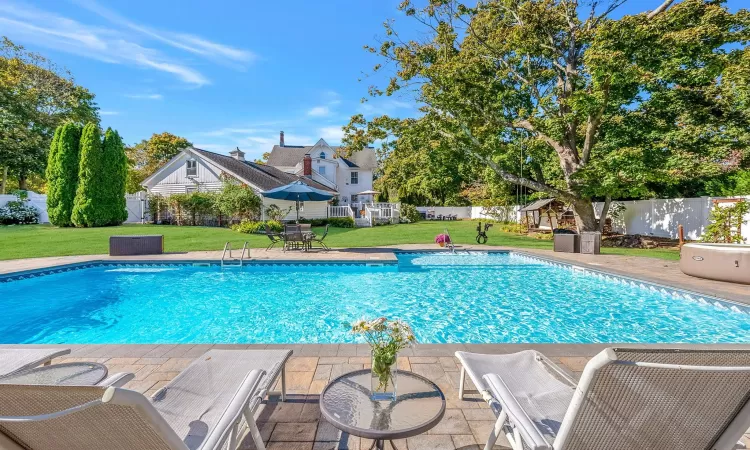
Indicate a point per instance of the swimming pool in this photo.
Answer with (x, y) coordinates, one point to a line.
(471, 297)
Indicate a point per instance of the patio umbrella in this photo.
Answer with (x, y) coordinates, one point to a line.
(298, 192)
(369, 192)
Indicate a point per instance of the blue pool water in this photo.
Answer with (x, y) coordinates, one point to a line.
(468, 298)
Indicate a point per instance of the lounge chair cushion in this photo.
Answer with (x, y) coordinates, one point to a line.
(196, 401)
(13, 359)
(534, 396)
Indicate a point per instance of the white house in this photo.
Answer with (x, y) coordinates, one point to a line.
(194, 169)
(323, 163)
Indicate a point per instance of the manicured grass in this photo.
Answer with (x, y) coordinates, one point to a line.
(31, 241)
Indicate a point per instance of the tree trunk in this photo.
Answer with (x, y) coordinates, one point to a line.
(22, 182)
(585, 217)
(4, 182)
(605, 212)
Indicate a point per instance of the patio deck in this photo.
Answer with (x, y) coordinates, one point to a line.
(297, 425)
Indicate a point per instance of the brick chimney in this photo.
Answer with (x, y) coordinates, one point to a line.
(237, 154)
(307, 166)
(281, 138)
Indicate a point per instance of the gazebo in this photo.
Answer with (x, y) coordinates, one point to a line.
(547, 214)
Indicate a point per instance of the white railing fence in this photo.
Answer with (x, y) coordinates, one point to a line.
(339, 211)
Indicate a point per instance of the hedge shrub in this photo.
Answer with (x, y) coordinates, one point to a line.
(62, 174)
(18, 213)
(115, 171)
(341, 222)
(410, 213)
(89, 207)
(258, 226)
(338, 222)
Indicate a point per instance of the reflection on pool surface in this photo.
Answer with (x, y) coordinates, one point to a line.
(471, 297)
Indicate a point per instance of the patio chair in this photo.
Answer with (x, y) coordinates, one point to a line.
(16, 359)
(319, 240)
(202, 408)
(626, 399)
(293, 237)
(274, 237)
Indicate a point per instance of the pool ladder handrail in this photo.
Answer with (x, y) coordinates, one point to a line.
(449, 244)
(228, 246)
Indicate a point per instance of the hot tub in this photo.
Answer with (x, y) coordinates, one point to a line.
(724, 262)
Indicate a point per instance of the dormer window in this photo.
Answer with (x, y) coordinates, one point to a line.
(191, 168)
(322, 155)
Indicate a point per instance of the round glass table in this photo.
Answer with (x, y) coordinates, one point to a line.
(66, 374)
(347, 405)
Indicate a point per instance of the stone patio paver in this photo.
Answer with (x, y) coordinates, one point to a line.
(297, 423)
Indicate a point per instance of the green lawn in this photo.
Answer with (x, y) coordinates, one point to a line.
(30, 241)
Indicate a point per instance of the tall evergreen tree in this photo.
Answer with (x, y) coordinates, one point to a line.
(115, 170)
(89, 209)
(62, 174)
(52, 172)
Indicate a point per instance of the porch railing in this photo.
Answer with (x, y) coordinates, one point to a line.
(339, 211)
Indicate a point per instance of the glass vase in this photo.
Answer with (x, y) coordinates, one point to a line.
(383, 375)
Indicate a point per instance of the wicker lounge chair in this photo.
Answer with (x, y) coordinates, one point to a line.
(274, 237)
(319, 240)
(209, 405)
(626, 399)
(16, 359)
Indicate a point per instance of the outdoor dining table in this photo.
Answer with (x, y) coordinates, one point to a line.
(307, 237)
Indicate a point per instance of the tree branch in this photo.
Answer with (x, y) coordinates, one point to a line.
(663, 7)
(507, 176)
(592, 126)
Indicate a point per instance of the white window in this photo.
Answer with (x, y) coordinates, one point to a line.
(322, 155)
(191, 167)
(322, 170)
(355, 178)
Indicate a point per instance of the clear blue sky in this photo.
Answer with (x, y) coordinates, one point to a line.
(220, 73)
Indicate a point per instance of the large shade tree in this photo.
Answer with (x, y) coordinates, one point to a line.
(605, 107)
(149, 155)
(36, 96)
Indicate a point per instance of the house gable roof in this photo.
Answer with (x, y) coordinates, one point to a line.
(291, 155)
(263, 176)
(260, 176)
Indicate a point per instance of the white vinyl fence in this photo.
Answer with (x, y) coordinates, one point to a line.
(660, 217)
(657, 217)
(508, 213)
(135, 203)
(37, 200)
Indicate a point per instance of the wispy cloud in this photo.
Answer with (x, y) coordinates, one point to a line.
(112, 45)
(332, 135)
(253, 139)
(319, 111)
(183, 41)
(109, 113)
(145, 96)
